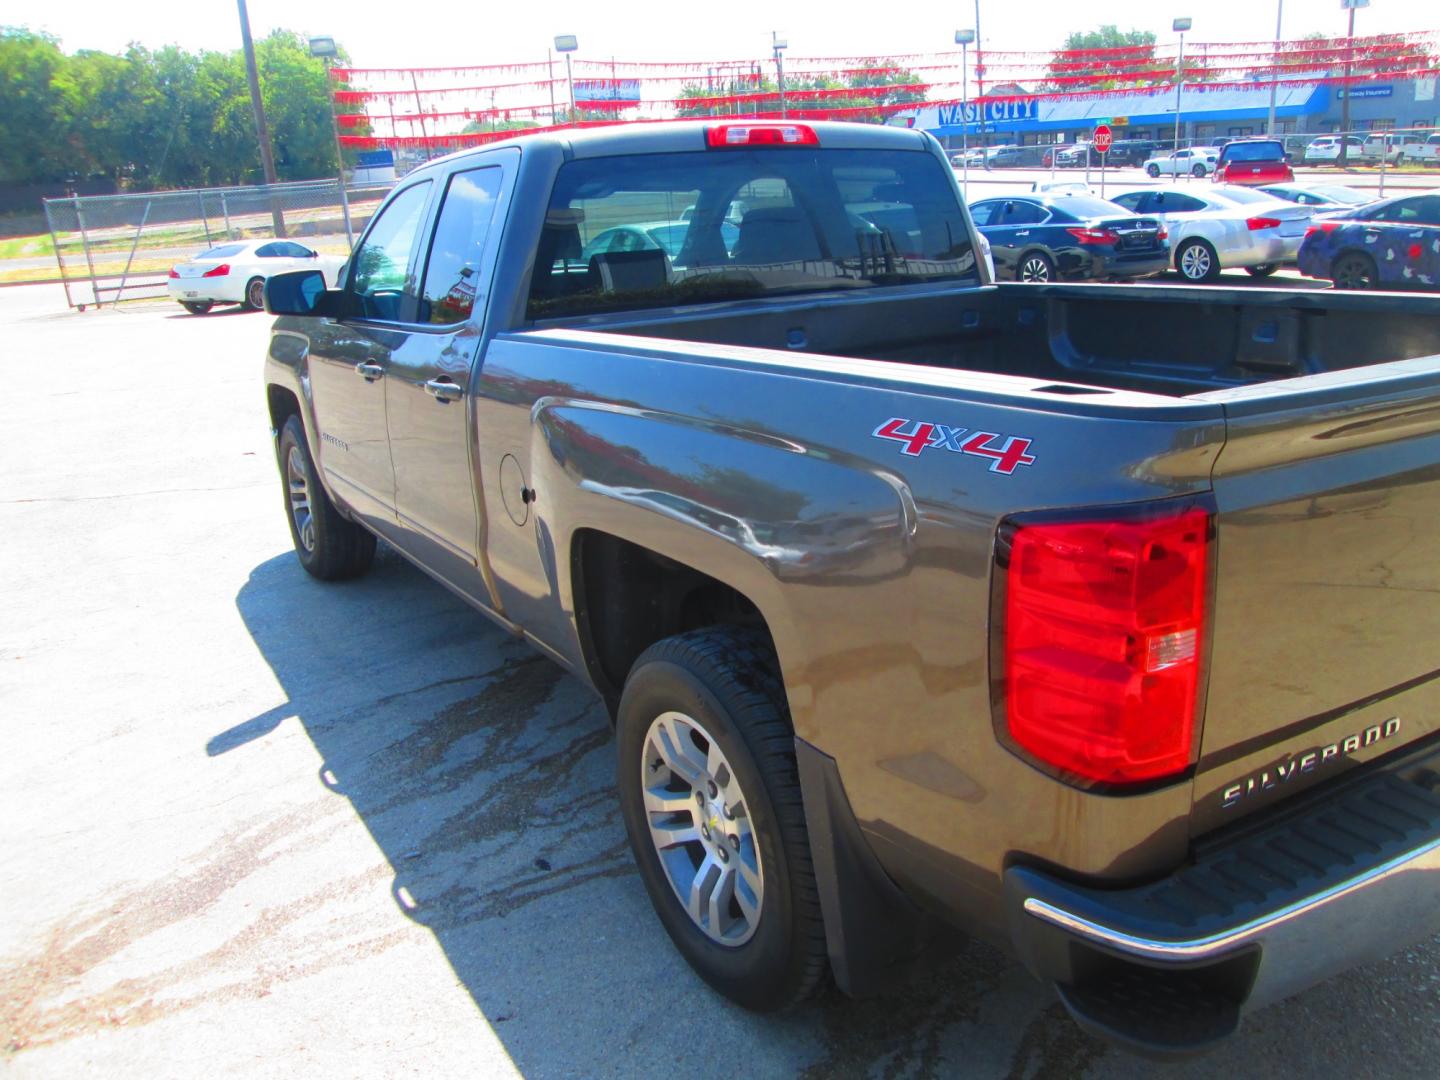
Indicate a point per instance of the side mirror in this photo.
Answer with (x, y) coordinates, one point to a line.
(301, 292)
(313, 255)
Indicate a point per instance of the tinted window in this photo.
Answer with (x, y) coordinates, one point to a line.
(1081, 206)
(1173, 202)
(799, 220)
(224, 251)
(1023, 213)
(1129, 201)
(983, 212)
(1256, 151)
(1417, 210)
(453, 272)
(382, 286)
(292, 251)
(268, 251)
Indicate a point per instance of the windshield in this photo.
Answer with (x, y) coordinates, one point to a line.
(1086, 206)
(763, 221)
(1260, 151)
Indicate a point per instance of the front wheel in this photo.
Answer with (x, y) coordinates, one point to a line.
(1263, 270)
(1197, 262)
(1036, 268)
(255, 294)
(1198, 171)
(329, 547)
(710, 795)
(1353, 271)
(1152, 171)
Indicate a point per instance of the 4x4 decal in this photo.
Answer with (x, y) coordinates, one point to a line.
(916, 436)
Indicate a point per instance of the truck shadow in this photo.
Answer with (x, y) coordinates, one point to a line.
(484, 774)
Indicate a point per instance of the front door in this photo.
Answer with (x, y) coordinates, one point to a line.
(349, 359)
(428, 391)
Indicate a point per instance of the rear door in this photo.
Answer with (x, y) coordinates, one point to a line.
(428, 386)
(1325, 625)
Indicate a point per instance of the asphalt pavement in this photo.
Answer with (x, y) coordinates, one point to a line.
(258, 826)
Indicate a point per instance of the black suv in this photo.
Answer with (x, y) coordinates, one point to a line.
(1132, 151)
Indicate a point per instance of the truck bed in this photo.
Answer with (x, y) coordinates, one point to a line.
(1174, 341)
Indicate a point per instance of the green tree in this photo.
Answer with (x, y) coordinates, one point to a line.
(35, 141)
(1109, 36)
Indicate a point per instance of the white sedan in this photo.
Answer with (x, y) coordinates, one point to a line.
(1222, 227)
(235, 273)
(1195, 161)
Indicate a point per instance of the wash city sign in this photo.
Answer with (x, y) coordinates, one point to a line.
(996, 112)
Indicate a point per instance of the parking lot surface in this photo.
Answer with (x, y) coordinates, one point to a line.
(258, 826)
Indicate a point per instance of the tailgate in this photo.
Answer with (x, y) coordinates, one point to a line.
(1326, 624)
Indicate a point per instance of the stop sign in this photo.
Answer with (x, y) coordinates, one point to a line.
(1102, 139)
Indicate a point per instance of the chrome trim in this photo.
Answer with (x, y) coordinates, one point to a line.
(1425, 857)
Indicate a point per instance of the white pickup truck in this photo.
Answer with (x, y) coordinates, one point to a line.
(1426, 152)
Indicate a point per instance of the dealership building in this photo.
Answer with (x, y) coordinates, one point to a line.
(1205, 112)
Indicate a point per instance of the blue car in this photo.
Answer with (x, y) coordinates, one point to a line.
(1393, 244)
(1063, 236)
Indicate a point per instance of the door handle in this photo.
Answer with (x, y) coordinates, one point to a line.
(370, 372)
(442, 390)
(1023, 232)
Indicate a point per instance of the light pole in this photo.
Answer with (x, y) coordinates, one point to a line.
(324, 48)
(779, 45)
(1179, 26)
(980, 84)
(262, 130)
(567, 44)
(1345, 87)
(1275, 68)
(963, 38)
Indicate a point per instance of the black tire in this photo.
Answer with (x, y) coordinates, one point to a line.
(254, 295)
(1354, 270)
(1204, 264)
(724, 678)
(196, 307)
(1197, 171)
(1263, 270)
(337, 548)
(1152, 171)
(1035, 267)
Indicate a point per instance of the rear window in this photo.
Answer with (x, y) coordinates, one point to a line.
(1257, 151)
(1244, 196)
(222, 252)
(652, 230)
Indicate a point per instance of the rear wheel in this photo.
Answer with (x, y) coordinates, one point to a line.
(1036, 267)
(255, 294)
(1263, 270)
(329, 546)
(711, 800)
(1197, 171)
(196, 307)
(1152, 170)
(1197, 262)
(1353, 271)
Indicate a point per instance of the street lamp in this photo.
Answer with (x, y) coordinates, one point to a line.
(1347, 87)
(326, 49)
(1179, 26)
(567, 44)
(963, 38)
(779, 44)
(1275, 68)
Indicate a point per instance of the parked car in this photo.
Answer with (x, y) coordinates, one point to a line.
(1075, 156)
(1392, 244)
(1012, 157)
(1253, 162)
(236, 273)
(1323, 197)
(1210, 232)
(1192, 161)
(1426, 152)
(917, 605)
(1389, 147)
(1326, 149)
(1069, 237)
(1048, 156)
(650, 236)
(1125, 152)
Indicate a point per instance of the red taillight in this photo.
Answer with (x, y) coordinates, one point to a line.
(217, 271)
(174, 273)
(1162, 235)
(729, 136)
(1094, 236)
(1104, 625)
(1326, 227)
(1262, 223)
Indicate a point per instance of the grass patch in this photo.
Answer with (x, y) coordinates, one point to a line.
(20, 247)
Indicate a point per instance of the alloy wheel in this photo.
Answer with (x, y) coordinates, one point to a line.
(1035, 269)
(300, 499)
(700, 826)
(1195, 262)
(1353, 272)
(255, 295)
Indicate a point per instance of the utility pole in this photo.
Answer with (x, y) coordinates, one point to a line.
(262, 130)
(980, 85)
(1275, 68)
(1346, 88)
(779, 44)
(1179, 26)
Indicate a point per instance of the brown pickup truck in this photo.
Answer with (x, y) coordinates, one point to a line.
(1097, 621)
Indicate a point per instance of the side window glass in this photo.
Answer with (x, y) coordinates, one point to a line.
(294, 251)
(1429, 210)
(453, 271)
(268, 251)
(381, 286)
(1024, 213)
(982, 213)
(1131, 201)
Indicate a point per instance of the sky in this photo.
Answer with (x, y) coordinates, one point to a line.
(376, 33)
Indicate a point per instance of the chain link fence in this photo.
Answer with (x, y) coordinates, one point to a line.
(114, 247)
